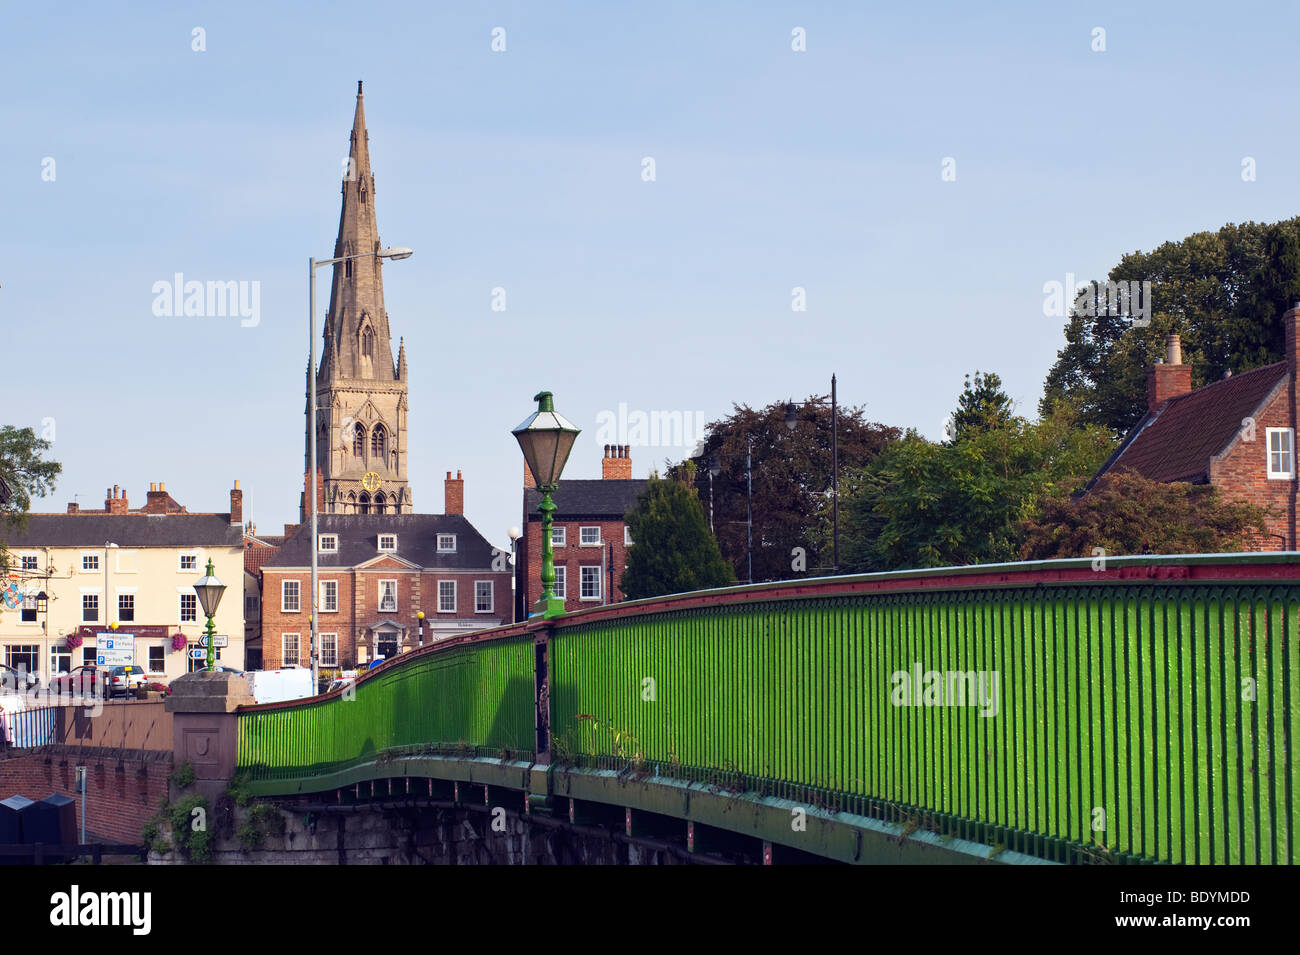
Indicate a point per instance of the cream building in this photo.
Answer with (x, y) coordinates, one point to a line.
(133, 569)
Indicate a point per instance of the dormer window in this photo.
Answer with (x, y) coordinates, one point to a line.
(329, 544)
(446, 543)
(387, 543)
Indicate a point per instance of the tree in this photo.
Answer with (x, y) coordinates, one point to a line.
(982, 406)
(1125, 513)
(1223, 292)
(23, 473)
(672, 550)
(792, 478)
(921, 504)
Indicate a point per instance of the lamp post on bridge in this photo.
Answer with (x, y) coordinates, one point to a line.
(546, 438)
(210, 589)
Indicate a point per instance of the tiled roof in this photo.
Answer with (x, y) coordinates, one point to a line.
(417, 541)
(1178, 440)
(255, 555)
(127, 530)
(588, 498)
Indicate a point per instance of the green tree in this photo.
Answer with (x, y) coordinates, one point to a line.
(922, 504)
(1124, 513)
(672, 550)
(792, 478)
(1223, 292)
(982, 406)
(23, 474)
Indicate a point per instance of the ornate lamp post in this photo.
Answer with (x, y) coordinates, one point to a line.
(546, 438)
(210, 590)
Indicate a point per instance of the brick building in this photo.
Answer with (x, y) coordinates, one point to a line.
(376, 573)
(1237, 434)
(589, 536)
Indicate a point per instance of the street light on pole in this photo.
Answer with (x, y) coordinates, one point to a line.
(313, 264)
(791, 420)
(546, 438)
(209, 590)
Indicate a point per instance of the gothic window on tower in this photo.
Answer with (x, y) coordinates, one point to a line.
(368, 342)
(358, 440)
(347, 269)
(378, 443)
(380, 501)
(364, 505)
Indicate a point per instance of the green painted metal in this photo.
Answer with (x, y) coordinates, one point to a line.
(476, 698)
(1123, 729)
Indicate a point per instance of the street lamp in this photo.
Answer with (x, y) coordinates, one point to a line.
(715, 468)
(312, 265)
(419, 615)
(791, 420)
(514, 535)
(546, 438)
(210, 589)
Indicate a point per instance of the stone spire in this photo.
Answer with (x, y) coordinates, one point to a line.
(401, 359)
(357, 342)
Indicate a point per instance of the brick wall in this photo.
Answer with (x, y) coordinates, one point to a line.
(572, 556)
(1242, 474)
(122, 790)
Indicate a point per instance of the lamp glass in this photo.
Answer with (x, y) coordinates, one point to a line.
(209, 590)
(546, 438)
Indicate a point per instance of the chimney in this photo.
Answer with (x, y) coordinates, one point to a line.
(156, 500)
(116, 502)
(236, 505)
(455, 494)
(1168, 379)
(73, 508)
(304, 515)
(617, 463)
(529, 481)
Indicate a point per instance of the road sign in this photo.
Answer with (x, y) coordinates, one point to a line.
(115, 650)
(197, 654)
(218, 640)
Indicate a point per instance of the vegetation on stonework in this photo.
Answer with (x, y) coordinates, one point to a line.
(1125, 513)
(263, 819)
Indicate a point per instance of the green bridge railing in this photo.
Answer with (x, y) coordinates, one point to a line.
(1141, 713)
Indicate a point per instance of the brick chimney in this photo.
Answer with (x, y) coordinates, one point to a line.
(1170, 379)
(115, 502)
(529, 481)
(73, 507)
(617, 463)
(304, 515)
(454, 495)
(236, 505)
(156, 499)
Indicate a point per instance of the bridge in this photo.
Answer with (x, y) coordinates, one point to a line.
(1053, 712)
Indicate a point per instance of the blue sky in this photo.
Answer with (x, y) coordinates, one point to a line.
(522, 170)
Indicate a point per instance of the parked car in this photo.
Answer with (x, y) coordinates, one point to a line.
(83, 680)
(11, 679)
(125, 680)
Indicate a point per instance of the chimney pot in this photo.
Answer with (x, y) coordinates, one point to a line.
(1173, 350)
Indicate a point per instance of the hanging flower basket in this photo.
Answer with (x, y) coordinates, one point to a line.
(178, 641)
(73, 641)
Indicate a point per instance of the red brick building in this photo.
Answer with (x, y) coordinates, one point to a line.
(1237, 434)
(376, 573)
(589, 536)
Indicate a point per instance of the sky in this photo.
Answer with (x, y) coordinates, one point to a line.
(133, 148)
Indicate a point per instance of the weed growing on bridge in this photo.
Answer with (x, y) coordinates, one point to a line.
(263, 819)
(183, 775)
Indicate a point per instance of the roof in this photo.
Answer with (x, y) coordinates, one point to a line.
(417, 542)
(588, 498)
(256, 554)
(1176, 442)
(127, 530)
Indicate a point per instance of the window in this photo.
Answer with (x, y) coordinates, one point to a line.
(590, 582)
(358, 440)
(378, 442)
(446, 596)
(388, 596)
(23, 658)
(126, 607)
(561, 579)
(156, 659)
(200, 662)
(60, 660)
(87, 655)
(627, 536)
(482, 596)
(189, 562)
(189, 608)
(89, 608)
(289, 649)
(589, 537)
(446, 543)
(329, 596)
(29, 608)
(250, 605)
(289, 596)
(1281, 456)
(90, 562)
(329, 544)
(29, 562)
(329, 649)
(367, 333)
(557, 536)
(388, 542)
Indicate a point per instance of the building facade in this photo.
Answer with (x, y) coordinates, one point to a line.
(1237, 434)
(361, 393)
(122, 573)
(589, 536)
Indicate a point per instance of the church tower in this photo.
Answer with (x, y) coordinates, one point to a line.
(361, 441)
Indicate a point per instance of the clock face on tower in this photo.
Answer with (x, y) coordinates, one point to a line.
(370, 481)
